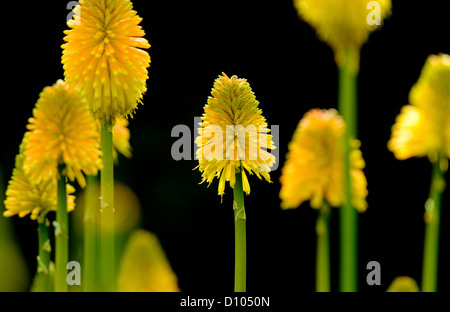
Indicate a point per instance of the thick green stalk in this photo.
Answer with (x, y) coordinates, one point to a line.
(432, 227)
(107, 209)
(90, 242)
(240, 239)
(43, 268)
(323, 250)
(61, 237)
(347, 106)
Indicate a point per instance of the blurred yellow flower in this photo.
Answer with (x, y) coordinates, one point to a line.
(403, 284)
(144, 266)
(121, 138)
(423, 127)
(103, 56)
(315, 161)
(233, 135)
(23, 197)
(343, 24)
(62, 131)
(127, 208)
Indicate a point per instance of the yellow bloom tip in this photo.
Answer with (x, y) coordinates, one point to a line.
(403, 284)
(8, 214)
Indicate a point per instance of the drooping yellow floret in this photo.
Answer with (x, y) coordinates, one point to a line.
(61, 131)
(314, 164)
(103, 56)
(423, 127)
(121, 138)
(233, 135)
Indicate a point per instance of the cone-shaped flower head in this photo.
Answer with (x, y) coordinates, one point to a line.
(423, 127)
(103, 56)
(314, 167)
(145, 267)
(343, 24)
(233, 135)
(24, 197)
(61, 131)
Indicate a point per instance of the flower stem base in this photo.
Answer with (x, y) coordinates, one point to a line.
(240, 238)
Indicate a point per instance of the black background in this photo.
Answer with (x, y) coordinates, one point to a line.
(290, 71)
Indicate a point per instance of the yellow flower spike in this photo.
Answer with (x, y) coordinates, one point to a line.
(423, 127)
(103, 56)
(61, 131)
(343, 24)
(25, 198)
(144, 267)
(233, 135)
(314, 164)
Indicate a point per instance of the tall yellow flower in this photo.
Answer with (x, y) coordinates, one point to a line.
(103, 56)
(233, 135)
(343, 24)
(61, 131)
(24, 197)
(423, 127)
(314, 164)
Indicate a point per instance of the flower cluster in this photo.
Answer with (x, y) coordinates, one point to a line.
(103, 56)
(61, 131)
(233, 136)
(24, 197)
(314, 168)
(423, 127)
(341, 23)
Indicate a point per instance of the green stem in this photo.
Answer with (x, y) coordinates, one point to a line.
(107, 209)
(44, 257)
(90, 259)
(240, 239)
(432, 219)
(61, 237)
(323, 250)
(347, 105)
